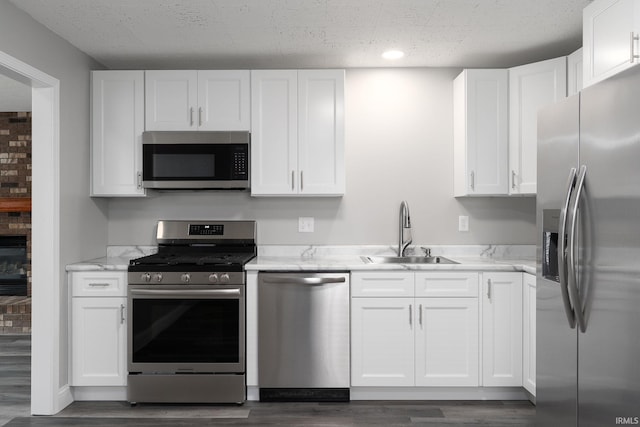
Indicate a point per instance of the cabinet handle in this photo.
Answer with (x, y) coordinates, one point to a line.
(293, 180)
(200, 116)
(634, 56)
(191, 116)
(489, 289)
(101, 285)
(513, 179)
(410, 315)
(139, 177)
(121, 314)
(301, 181)
(420, 307)
(473, 181)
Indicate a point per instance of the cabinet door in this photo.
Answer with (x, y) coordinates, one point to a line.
(224, 100)
(98, 342)
(574, 72)
(502, 329)
(480, 132)
(529, 333)
(531, 87)
(382, 341)
(117, 115)
(447, 342)
(274, 127)
(171, 98)
(321, 132)
(607, 38)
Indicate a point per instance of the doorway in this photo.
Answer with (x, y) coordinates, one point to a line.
(47, 397)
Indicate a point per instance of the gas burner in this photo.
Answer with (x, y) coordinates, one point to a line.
(198, 246)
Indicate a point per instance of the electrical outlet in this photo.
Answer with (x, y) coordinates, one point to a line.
(463, 223)
(305, 224)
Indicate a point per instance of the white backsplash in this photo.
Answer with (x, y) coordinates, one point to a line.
(483, 251)
(130, 252)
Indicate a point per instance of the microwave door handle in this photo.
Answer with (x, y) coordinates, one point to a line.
(562, 256)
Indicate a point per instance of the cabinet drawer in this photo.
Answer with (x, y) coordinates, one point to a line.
(382, 284)
(446, 284)
(98, 284)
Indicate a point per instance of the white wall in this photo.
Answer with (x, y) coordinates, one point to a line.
(399, 136)
(14, 95)
(83, 222)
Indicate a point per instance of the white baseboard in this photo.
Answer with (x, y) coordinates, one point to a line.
(438, 393)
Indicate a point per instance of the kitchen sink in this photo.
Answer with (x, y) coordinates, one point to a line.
(407, 260)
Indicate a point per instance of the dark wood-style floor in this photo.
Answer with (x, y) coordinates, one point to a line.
(15, 393)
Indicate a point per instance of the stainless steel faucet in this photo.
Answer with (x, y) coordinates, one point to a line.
(404, 229)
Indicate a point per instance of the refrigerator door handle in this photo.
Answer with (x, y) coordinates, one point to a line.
(571, 256)
(562, 258)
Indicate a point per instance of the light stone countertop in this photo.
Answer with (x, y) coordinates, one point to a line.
(345, 258)
(355, 263)
(117, 259)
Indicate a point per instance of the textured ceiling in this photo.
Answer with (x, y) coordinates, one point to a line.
(148, 34)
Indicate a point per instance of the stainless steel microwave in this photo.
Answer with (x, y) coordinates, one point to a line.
(193, 160)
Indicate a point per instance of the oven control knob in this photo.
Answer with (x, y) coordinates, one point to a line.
(157, 277)
(224, 278)
(146, 277)
(186, 277)
(213, 278)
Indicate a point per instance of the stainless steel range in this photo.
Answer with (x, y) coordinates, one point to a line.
(186, 340)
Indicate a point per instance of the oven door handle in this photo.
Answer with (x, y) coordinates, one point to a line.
(187, 293)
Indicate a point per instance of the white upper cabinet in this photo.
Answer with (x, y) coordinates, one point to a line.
(117, 123)
(274, 132)
(531, 87)
(197, 100)
(224, 100)
(321, 132)
(297, 132)
(575, 67)
(610, 38)
(480, 132)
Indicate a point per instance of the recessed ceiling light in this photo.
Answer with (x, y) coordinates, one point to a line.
(393, 54)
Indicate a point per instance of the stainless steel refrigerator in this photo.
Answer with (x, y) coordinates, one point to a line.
(588, 270)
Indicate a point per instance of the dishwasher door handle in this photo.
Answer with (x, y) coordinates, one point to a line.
(303, 280)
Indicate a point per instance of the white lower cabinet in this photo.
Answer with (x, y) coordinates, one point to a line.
(529, 333)
(98, 329)
(418, 340)
(382, 350)
(446, 342)
(502, 329)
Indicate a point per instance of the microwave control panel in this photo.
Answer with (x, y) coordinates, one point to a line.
(240, 164)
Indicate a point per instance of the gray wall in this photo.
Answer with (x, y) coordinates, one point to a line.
(83, 221)
(399, 135)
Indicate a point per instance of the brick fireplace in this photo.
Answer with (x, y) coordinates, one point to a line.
(15, 211)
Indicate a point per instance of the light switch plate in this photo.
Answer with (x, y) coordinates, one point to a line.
(463, 223)
(305, 224)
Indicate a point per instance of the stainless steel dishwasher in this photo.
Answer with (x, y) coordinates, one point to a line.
(303, 336)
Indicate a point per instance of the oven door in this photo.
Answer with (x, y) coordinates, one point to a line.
(186, 329)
